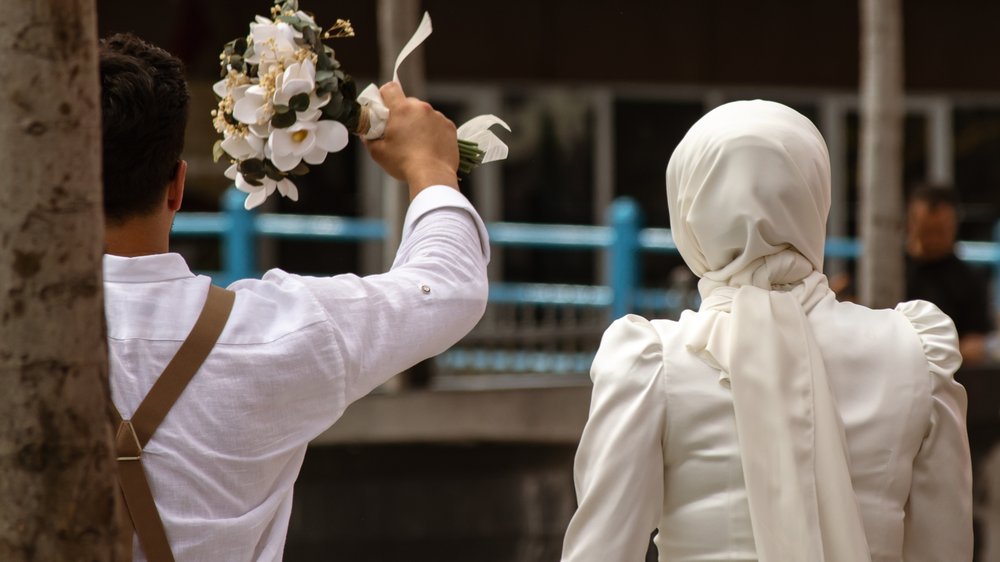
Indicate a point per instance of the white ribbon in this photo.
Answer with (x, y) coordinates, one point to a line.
(422, 33)
(476, 130)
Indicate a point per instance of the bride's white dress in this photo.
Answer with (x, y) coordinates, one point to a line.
(660, 447)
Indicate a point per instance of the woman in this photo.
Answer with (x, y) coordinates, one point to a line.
(774, 424)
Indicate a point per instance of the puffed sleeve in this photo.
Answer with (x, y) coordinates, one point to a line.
(619, 463)
(938, 524)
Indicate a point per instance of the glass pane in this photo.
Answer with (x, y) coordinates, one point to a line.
(548, 178)
(977, 170)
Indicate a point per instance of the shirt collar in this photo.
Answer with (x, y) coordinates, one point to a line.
(145, 269)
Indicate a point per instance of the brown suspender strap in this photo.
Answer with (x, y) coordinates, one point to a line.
(134, 434)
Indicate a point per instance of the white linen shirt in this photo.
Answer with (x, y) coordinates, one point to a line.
(295, 353)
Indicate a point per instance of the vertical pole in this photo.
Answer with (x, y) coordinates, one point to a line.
(833, 125)
(603, 104)
(238, 241)
(625, 219)
(996, 269)
(940, 143)
(880, 163)
(397, 20)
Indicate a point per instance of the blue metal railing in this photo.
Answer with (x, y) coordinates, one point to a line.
(624, 239)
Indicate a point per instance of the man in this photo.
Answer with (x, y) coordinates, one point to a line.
(295, 351)
(934, 273)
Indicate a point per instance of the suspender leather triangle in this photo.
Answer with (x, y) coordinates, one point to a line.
(133, 434)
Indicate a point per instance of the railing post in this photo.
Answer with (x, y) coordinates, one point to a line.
(625, 220)
(238, 241)
(996, 268)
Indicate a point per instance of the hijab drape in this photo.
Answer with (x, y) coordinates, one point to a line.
(748, 190)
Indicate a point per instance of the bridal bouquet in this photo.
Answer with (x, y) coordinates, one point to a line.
(285, 103)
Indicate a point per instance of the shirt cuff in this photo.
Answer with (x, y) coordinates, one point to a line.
(439, 197)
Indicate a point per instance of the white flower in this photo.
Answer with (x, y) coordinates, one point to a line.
(313, 112)
(252, 108)
(243, 147)
(298, 78)
(257, 194)
(273, 43)
(309, 141)
(221, 88)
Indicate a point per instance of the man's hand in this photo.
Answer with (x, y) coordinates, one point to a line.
(419, 146)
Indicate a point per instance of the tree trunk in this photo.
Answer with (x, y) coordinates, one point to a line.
(56, 464)
(880, 170)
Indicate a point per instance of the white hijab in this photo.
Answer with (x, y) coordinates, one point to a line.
(749, 191)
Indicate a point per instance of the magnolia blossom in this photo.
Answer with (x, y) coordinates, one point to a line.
(257, 194)
(228, 87)
(305, 140)
(243, 147)
(273, 43)
(298, 78)
(254, 108)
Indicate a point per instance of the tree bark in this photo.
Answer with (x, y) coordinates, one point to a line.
(56, 465)
(880, 169)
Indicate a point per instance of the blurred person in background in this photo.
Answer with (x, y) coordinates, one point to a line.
(934, 273)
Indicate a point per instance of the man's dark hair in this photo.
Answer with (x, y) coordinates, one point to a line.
(935, 195)
(144, 104)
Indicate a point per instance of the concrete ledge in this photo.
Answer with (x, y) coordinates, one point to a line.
(523, 415)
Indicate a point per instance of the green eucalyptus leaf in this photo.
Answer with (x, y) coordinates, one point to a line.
(327, 87)
(299, 102)
(333, 109)
(323, 62)
(299, 170)
(272, 171)
(283, 120)
(251, 167)
(311, 37)
(293, 21)
(217, 151)
(349, 89)
(351, 115)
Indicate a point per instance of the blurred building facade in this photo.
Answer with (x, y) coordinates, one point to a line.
(599, 93)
